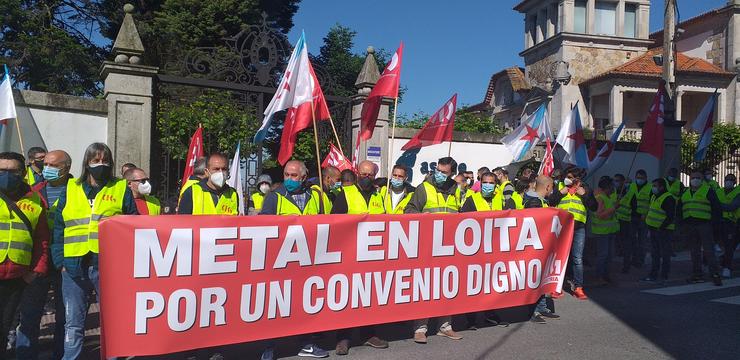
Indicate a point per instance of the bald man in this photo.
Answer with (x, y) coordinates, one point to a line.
(140, 185)
(55, 172)
(330, 178)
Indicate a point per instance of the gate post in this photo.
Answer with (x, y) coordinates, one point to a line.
(129, 89)
(378, 144)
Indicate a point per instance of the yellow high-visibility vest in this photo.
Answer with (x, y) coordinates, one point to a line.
(481, 204)
(643, 199)
(325, 199)
(258, 198)
(727, 198)
(16, 239)
(286, 207)
(400, 207)
(574, 205)
(656, 216)
(153, 205)
(606, 226)
(30, 178)
(228, 202)
(81, 221)
(356, 202)
(697, 205)
(438, 202)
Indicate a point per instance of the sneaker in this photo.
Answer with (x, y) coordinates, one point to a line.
(579, 294)
(648, 279)
(216, 356)
(717, 280)
(556, 295)
(376, 342)
(342, 347)
(726, 273)
(312, 350)
(420, 337)
(550, 315)
(449, 333)
(538, 319)
(268, 354)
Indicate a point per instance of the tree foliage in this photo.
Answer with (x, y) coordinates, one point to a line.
(725, 140)
(464, 121)
(224, 122)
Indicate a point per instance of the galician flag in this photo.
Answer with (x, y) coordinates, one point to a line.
(703, 125)
(7, 104)
(534, 129)
(295, 88)
(235, 177)
(572, 140)
(605, 152)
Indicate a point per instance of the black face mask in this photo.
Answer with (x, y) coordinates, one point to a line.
(100, 173)
(10, 182)
(366, 184)
(39, 164)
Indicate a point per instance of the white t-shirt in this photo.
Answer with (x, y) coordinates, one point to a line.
(396, 198)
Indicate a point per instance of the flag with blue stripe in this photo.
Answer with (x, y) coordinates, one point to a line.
(532, 130)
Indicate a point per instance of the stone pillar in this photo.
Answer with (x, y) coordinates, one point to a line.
(643, 21)
(541, 22)
(590, 16)
(528, 39)
(620, 18)
(129, 88)
(679, 105)
(616, 106)
(567, 14)
(379, 143)
(672, 146)
(551, 20)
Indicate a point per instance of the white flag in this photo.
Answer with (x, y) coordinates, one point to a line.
(235, 178)
(7, 104)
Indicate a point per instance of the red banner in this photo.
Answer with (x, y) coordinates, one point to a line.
(174, 283)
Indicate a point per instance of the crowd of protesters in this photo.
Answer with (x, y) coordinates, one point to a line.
(49, 227)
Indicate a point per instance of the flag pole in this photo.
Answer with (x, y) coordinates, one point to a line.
(390, 152)
(633, 160)
(318, 160)
(336, 136)
(449, 149)
(20, 135)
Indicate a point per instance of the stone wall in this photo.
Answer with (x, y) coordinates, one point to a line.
(587, 62)
(54, 121)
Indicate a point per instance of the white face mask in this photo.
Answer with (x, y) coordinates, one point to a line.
(145, 188)
(264, 188)
(567, 182)
(218, 179)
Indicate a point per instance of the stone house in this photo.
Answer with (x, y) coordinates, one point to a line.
(608, 52)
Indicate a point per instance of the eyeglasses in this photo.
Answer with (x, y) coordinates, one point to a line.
(140, 180)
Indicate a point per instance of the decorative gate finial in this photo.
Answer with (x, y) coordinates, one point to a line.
(128, 47)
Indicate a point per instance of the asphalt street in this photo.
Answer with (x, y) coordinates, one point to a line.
(625, 320)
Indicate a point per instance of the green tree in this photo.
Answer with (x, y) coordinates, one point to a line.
(464, 121)
(725, 140)
(224, 122)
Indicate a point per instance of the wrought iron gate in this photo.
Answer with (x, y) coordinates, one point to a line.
(248, 66)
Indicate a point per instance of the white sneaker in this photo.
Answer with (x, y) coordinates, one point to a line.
(726, 273)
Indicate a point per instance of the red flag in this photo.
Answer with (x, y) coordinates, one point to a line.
(592, 148)
(299, 118)
(548, 163)
(652, 132)
(387, 86)
(195, 151)
(336, 159)
(438, 129)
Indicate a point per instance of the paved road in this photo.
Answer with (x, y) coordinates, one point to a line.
(628, 320)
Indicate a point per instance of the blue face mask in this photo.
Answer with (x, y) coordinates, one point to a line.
(640, 182)
(292, 185)
(336, 185)
(396, 183)
(671, 178)
(9, 182)
(50, 173)
(487, 189)
(440, 177)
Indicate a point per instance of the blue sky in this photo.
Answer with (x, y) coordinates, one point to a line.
(450, 46)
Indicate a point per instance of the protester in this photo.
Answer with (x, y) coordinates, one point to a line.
(401, 191)
(264, 186)
(360, 199)
(709, 178)
(462, 184)
(661, 224)
(141, 188)
(199, 173)
(437, 194)
(486, 199)
(25, 258)
(526, 174)
(481, 171)
(126, 167)
(57, 164)
(76, 227)
(294, 197)
(675, 186)
(633, 207)
(506, 191)
(330, 179)
(35, 166)
(697, 207)
(573, 198)
(347, 177)
(533, 199)
(211, 196)
(729, 240)
(604, 227)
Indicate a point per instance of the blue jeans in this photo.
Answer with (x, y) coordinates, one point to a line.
(576, 255)
(660, 253)
(541, 307)
(76, 292)
(604, 253)
(31, 311)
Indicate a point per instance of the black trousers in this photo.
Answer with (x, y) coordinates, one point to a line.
(11, 292)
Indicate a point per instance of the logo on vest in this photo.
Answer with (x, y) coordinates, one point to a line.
(108, 197)
(26, 207)
(226, 209)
